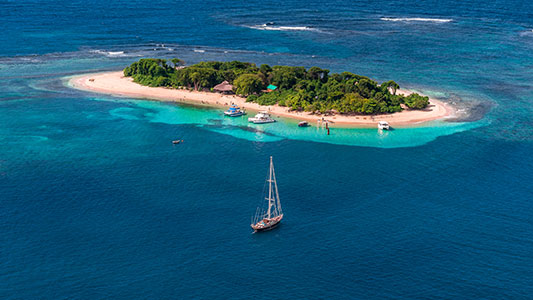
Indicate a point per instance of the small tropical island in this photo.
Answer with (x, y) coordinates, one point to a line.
(289, 91)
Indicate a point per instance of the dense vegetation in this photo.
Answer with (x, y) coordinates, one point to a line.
(313, 89)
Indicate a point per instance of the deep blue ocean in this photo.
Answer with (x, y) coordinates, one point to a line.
(96, 203)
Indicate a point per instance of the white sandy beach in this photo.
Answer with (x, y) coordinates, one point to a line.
(114, 83)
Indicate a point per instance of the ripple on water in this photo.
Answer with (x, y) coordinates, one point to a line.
(23, 139)
(128, 113)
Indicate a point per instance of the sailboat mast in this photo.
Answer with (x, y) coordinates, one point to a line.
(270, 189)
(276, 193)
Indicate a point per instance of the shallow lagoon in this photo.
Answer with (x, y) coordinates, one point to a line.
(212, 119)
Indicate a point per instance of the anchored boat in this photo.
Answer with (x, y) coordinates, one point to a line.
(234, 111)
(261, 118)
(383, 125)
(269, 218)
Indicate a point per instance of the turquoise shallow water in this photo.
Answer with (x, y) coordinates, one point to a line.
(96, 203)
(212, 119)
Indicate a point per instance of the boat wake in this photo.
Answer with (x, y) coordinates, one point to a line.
(431, 20)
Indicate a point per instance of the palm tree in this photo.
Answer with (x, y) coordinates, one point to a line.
(196, 77)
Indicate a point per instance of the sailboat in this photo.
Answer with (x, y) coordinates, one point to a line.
(271, 217)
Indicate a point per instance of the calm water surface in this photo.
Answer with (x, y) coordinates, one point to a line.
(96, 203)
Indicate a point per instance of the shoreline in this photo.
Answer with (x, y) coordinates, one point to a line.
(114, 83)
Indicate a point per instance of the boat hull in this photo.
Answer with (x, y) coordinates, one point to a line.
(383, 126)
(261, 118)
(267, 228)
(273, 226)
(262, 226)
(234, 114)
(261, 121)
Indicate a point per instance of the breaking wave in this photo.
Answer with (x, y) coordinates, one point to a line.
(110, 53)
(163, 47)
(432, 20)
(528, 32)
(271, 26)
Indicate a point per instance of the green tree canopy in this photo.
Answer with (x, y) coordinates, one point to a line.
(313, 89)
(177, 62)
(247, 84)
(393, 86)
(415, 101)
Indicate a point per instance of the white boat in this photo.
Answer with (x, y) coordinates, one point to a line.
(261, 118)
(234, 111)
(383, 125)
(269, 217)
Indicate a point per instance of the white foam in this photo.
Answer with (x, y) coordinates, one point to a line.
(199, 51)
(115, 53)
(282, 28)
(433, 20)
(163, 47)
(528, 33)
(109, 53)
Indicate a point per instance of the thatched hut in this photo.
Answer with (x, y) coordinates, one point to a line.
(224, 87)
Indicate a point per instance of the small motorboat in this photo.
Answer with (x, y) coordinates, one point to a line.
(261, 118)
(177, 142)
(383, 125)
(303, 124)
(234, 111)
